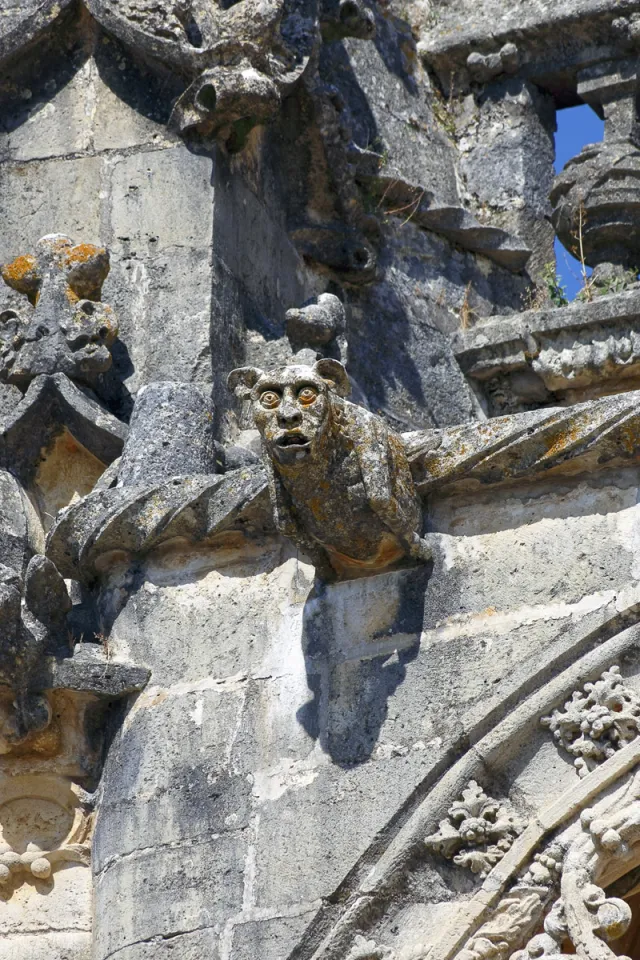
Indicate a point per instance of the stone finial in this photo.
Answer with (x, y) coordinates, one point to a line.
(597, 721)
(61, 326)
(595, 197)
(368, 517)
(316, 323)
(477, 832)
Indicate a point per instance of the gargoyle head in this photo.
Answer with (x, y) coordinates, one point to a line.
(293, 407)
(60, 326)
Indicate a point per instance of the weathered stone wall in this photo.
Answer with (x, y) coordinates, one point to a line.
(282, 674)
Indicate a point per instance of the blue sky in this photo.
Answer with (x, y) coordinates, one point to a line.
(576, 126)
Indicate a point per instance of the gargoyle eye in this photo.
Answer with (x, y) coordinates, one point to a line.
(270, 399)
(307, 395)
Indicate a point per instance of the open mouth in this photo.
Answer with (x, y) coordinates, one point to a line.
(293, 440)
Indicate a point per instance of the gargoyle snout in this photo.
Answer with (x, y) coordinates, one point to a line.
(289, 414)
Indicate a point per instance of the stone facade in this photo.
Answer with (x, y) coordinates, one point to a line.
(319, 531)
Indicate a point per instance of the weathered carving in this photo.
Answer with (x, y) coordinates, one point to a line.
(32, 618)
(317, 325)
(59, 325)
(241, 57)
(601, 918)
(483, 67)
(597, 721)
(477, 832)
(45, 822)
(570, 351)
(583, 915)
(594, 197)
(364, 949)
(340, 481)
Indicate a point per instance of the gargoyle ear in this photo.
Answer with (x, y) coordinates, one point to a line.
(335, 373)
(242, 381)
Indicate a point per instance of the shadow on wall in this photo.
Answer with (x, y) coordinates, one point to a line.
(358, 638)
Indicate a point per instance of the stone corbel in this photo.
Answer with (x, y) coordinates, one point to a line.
(36, 659)
(240, 59)
(32, 616)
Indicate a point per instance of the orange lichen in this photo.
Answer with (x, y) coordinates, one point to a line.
(21, 273)
(82, 253)
(559, 442)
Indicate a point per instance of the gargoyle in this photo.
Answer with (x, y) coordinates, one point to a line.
(58, 325)
(340, 482)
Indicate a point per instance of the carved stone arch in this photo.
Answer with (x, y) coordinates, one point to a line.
(350, 929)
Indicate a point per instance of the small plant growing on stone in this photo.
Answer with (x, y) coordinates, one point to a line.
(466, 313)
(606, 286)
(555, 291)
(548, 291)
(444, 109)
(578, 251)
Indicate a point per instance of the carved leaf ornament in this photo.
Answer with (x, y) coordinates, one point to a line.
(597, 721)
(477, 833)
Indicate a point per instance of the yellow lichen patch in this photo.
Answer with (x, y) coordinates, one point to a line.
(22, 275)
(562, 441)
(629, 438)
(66, 473)
(82, 253)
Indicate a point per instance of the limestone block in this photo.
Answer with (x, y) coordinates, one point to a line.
(169, 779)
(189, 629)
(51, 122)
(182, 220)
(186, 946)
(501, 168)
(49, 196)
(47, 946)
(60, 906)
(398, 120)
(328, 818)
(251, 239)
(401, 360)
(163, 306)
(165, 892)
(270, 939)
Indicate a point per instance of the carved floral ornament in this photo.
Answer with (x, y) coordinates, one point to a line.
(596, 721)
(477, 832)
(558, 885)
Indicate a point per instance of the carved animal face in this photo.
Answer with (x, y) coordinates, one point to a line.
(292, 406)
